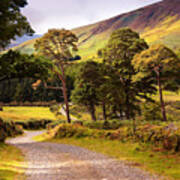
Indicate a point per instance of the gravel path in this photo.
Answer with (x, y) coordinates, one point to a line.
(51, 161)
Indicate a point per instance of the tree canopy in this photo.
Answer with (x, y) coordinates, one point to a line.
(118, 53)
(87, 82)
(12, 22)
(59, 45)
(16, 65)
(162, 63)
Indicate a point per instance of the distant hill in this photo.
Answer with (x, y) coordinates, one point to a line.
(157, 23)
(20, 40)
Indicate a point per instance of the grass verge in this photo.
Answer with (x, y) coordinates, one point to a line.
(163, 164)
(10, 159)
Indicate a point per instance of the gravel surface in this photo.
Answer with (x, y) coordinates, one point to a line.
(51, 161)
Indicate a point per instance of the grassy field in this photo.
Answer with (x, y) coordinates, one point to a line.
(133, 154)
(169, 96)
(10, 157)
(26, 113)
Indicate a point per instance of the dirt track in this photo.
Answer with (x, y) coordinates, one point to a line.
(51, 161)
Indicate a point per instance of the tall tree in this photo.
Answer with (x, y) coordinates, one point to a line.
(12, 22)
(118, 53)
(160, 62)
(86, 86)
(59, 45)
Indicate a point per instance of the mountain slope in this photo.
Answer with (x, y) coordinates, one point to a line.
(157, 23)
(20, 40)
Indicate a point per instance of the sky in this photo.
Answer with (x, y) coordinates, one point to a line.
(69, 14)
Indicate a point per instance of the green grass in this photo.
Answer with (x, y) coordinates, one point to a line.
(169, 96)
(10, 157)
(26, 113)
(155, 162)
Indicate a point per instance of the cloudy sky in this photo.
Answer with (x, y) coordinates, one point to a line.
(45, 14)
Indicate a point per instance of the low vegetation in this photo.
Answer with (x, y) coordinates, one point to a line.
(11, 158)
(30, 118)
(9, 129)
(154, 147)
(26, 113)
(134, 154)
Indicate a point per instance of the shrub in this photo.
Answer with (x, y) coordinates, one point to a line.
(165, 137)
(53, 124)
(69, 130)
(55, 108)
(34, 124)
(8, 129)
(151, 111)
(106, 125)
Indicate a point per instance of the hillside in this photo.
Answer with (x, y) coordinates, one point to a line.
(20, 40)
(157, 23)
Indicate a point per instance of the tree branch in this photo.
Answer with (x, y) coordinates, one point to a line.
(52, 87)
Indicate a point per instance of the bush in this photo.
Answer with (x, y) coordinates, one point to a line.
(34, 124)
(175, 105)
(55, 108)
(55, 123)
(151, 111)
(69, 130)
(106, 125)
(165, 137)
(9, 129)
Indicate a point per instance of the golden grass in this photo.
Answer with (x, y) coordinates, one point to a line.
(169, 96)
(165, 28)
(131, 153)
(26, 113)
(10, 159)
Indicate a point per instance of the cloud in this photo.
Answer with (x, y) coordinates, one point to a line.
(45, 14)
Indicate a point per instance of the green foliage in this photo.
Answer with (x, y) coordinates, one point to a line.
(34, 124)
(16, 65)
(157, 59)
(173, 111)
(59, 45)
(8, 129)
(121, 48)
(160, 63)
(160, 137)
(55, 108)
(67, 130)
(55, 124)
(106, 125)
(20, 91)
(118, 54)
(87, 82)
(151, 111)
(12, 22)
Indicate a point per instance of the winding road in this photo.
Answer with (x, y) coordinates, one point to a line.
(51, 161)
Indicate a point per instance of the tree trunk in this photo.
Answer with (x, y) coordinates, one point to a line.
(92, 112)
(104, 111)
(127, 107)
(64, 89)
(66, 102)
(163, 111)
